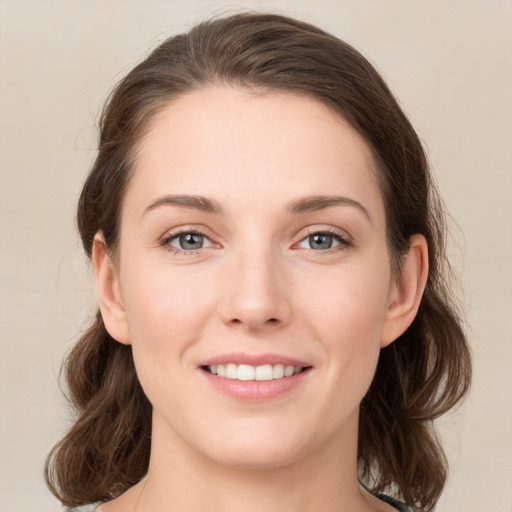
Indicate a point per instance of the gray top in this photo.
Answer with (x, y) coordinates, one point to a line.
(401, 507)
(86, 508)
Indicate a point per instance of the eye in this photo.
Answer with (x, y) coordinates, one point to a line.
(187, 241)
(323, 241)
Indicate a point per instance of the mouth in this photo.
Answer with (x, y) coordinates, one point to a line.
(255, 377)
(247, 372)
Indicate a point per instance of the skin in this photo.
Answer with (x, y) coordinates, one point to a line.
(258, 285)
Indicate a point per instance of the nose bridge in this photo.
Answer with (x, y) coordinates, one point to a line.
(257, 295)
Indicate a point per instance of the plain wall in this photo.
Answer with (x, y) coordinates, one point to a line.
(448, 61)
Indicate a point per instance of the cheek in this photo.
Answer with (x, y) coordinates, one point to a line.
(347, 303)
(166, 313)
(155, 292)
(347, 315)
(166, 309)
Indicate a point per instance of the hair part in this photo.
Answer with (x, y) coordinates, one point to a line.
(419, 377)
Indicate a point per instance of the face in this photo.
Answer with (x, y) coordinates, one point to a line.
(252, 276)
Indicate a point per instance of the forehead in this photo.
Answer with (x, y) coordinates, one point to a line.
(235, 143)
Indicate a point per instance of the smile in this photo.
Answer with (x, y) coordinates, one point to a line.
(255, 377)
(247, 372)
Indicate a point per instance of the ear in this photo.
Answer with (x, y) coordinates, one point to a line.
(109, 292)
(406, 291)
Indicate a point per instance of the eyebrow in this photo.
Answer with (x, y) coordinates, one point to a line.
(301, 205)
(315, 203)
(201, 203)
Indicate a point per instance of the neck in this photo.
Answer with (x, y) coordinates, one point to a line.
(180, 478)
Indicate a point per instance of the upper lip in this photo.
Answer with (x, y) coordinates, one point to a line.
(254, 360)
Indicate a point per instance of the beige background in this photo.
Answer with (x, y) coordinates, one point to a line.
(449, 62)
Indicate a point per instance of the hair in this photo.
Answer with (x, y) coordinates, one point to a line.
(420, 376)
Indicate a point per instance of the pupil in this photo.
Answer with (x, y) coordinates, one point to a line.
(191, 241)
(320, 241)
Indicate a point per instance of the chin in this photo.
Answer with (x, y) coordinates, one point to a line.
(257, 457)
(257, 448)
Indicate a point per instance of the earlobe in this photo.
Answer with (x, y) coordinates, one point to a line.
(407, 291)
(109, 293)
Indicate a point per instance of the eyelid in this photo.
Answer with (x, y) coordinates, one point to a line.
(344, 239)
(177, 236)
(192, 229)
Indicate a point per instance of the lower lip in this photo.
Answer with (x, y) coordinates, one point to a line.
(255, 390)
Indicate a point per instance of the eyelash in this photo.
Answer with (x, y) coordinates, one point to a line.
(171, 236)
(341, 237)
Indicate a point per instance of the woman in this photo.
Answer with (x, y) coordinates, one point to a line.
(275, 329)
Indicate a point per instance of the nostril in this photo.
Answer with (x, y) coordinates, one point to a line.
(270, 320)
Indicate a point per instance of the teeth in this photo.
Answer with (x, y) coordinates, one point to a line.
(248, 372)
(264, 372)
(288, 371)
(245, 372)
(231, 371)
(278, 371)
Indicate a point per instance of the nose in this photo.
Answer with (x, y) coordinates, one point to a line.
(257, 295)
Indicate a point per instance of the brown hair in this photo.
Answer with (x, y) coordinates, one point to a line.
(420, 376)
